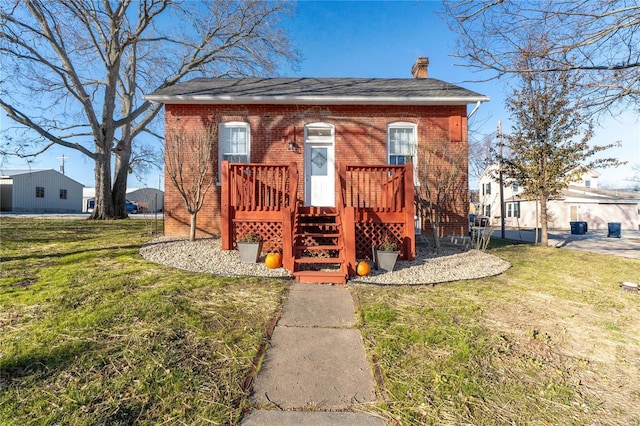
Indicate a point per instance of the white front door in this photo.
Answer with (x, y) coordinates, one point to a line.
(319, 167)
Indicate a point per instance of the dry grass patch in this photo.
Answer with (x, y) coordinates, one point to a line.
(552, 341)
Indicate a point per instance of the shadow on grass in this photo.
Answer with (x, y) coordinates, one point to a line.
(67, 253)
(42, 362)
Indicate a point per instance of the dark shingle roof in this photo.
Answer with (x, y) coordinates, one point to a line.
(413, 91)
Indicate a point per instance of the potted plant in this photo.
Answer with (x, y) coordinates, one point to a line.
(386, 255)
(250, 247)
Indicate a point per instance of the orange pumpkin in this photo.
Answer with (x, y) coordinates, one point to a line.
(273, 260)
(363, 268)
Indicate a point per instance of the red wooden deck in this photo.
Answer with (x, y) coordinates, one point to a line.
(375, 203)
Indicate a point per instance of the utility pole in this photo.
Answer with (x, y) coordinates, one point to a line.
(62, 165)
(500, 166)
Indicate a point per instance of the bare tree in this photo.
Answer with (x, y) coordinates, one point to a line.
(480, 155)
(550, 137)
(601, 38)
(635, 180)
(189, 165)
(442, 185)
(78, 70)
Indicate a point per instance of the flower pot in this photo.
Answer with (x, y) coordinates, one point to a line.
(386, 260)
(249, 252)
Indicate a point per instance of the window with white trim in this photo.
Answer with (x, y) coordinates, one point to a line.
(513, 209)
(234, 142)
(402, 145)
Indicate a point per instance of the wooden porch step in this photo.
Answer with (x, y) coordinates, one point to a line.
(317, 247)
(319, 277)
(319, 234)
(314, 260)
(306, 215)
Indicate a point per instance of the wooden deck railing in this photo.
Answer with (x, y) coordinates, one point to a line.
(377, 200)
(259, 187)
(375, 203)
(260, 193)
(381, 188)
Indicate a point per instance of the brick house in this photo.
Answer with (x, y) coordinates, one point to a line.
(319, 128)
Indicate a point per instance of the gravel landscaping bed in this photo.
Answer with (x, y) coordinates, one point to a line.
(205, 255)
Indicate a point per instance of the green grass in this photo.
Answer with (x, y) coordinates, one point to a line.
(90, 333)
(554, 340)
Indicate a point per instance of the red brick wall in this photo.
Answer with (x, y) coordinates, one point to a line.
(360, 138)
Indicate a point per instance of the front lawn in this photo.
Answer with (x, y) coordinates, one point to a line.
(90, 333)
(554, 340)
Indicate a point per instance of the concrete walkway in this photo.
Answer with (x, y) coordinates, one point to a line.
(315, 371)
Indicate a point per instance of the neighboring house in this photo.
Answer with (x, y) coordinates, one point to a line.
(318, 130)
(582, 201)
(151, 198)
(39, 191)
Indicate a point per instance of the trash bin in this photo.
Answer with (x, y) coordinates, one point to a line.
(578, 228)
(586, 228)
(614, 229)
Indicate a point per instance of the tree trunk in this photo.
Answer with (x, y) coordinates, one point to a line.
(103, 207)
(435, 228)
(192, 230)
(121, 173)
(544, 238)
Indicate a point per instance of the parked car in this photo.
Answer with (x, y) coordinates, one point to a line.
(130, 207)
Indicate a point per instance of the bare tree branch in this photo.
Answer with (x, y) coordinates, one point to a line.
(86, 64)
(599, 38)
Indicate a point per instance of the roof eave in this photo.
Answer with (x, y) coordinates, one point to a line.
(316, 100)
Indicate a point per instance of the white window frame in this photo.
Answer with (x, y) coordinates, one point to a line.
(513, 209)
(414, 154)
(223, 128)
(319, 133)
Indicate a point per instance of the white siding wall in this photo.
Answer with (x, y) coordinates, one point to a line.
(24, 193)
(596, 215)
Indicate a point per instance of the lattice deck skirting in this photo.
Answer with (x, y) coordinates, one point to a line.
(372, 234)
(271, 233)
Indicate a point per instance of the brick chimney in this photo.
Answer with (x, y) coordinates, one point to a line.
(420, 68)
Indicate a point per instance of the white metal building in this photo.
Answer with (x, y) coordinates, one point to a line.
(152, 198)
(39, 191)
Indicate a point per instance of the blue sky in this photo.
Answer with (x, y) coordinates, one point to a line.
(383, 40)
